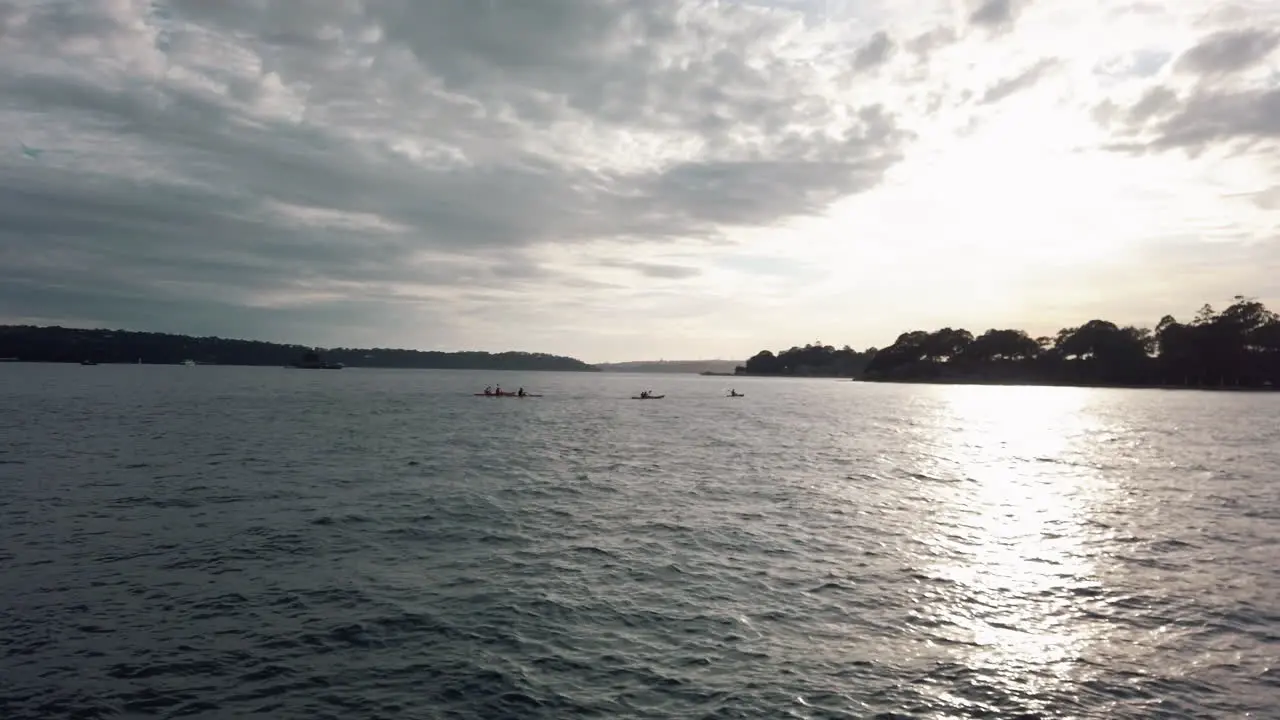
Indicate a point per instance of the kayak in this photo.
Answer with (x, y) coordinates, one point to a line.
(506, 394)
(738, 395)
(651, 397)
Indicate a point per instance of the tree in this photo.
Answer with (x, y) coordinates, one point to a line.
(946, 344)
(814, 359)
(1238, 346)
(1004, 345)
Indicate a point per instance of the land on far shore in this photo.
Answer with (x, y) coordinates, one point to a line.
(58, 344)
(1237, 348)
(725, 367)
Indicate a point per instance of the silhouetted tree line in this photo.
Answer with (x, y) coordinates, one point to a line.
(812, 360)
(59, 344)
(1238, 347)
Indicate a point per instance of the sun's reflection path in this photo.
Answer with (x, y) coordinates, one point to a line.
(1013, 564)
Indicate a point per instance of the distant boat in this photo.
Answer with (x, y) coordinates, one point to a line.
(88, 362)
(189, 363)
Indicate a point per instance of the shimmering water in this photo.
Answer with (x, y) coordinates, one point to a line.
(231, 542)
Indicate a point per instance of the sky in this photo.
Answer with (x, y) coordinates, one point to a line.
(633, 179)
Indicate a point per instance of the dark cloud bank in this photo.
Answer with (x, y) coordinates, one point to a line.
(223, 152)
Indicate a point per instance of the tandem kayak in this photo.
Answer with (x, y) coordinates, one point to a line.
(506, 394)
(649, 397)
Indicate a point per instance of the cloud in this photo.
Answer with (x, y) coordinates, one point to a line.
(926, 42)
(483, 173)
(1229, 51)
(1268, 199)
(875, 52)
(994, 13)
(1162, 119)
(1221, 92)
(1214, 116)
(1016, 83)
(249, 147)
(659, 270)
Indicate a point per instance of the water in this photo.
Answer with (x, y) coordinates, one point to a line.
(235, 542)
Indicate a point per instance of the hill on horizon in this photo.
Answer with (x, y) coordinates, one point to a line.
(671, 366)
(60, 344)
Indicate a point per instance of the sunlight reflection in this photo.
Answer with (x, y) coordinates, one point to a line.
(1012, 539)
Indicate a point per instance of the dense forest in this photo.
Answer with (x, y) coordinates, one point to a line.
(1237, 347)
(58, 344)
(813, 360)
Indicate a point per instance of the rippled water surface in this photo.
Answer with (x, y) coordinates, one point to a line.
(238, 542)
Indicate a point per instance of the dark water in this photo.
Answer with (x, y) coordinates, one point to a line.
(226, 542)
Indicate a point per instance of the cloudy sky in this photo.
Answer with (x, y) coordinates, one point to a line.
(633, 179)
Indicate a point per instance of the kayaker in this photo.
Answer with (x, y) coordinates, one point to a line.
(488, 389)
(497, 390)
(520, 392)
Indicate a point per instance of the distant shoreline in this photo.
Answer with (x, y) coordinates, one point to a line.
(144, 363)
(930, 381)
(98, 346)
(671, 367)
(844, 378)
(1023, 383)
(1092, 386)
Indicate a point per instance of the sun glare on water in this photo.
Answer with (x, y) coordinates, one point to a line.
(1011, 539)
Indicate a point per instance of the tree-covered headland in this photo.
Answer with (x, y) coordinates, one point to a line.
(59, 344)
(812, 360)
(1237, 347)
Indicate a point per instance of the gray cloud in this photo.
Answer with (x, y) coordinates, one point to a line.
(1152, 103)
(208, 154)
(1017, 83)
(1269, 199)
(1208, 117)
(1229, 51)
(663, 271)
(1164, 120)
(874, 52)
(926, 43)
(1217, 108)
(993, 13)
